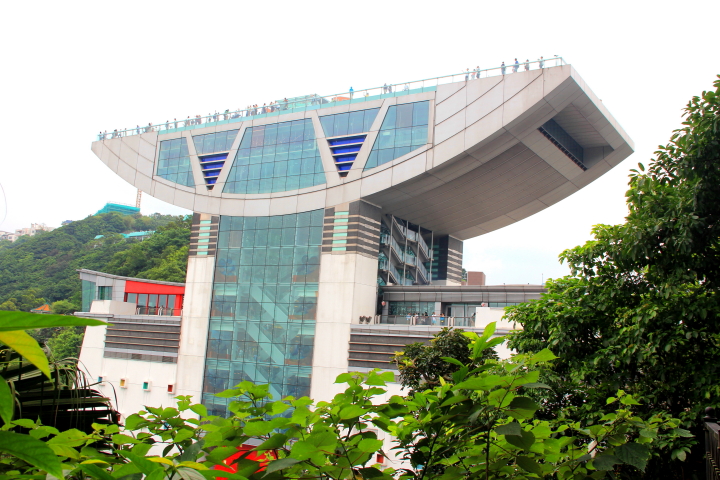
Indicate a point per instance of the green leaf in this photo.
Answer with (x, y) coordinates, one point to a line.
(454, 399)
(281, 464)
(370, 445)
(7, 401)
(183, 434)
(351, 411)
(190, 474)
(28, 347)
(543, 355)
(64, 451)
(605, 462)
(509, 429)
(528, 464)
(32, 451)
(143, 464)
(537, 385)
(481, 383)
(11, 321)
(371, 472)
(633, 454)
(454, 361)
(96, 472)
(523, 403)
(648, 432)
(71, 438)
(525, 440)
(200, 409)
(276, 441)
(121, 439)
(303, 450)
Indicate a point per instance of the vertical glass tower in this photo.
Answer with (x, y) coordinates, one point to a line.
(263, 311)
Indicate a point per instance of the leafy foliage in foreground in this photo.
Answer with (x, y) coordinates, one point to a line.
(641, 310)
(480, 425)
(422, 366)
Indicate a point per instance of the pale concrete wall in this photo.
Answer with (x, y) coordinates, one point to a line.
(194, 327)
(113, 306)
(132, 398)
(347, 290)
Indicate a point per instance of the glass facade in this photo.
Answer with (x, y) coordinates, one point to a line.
(265, 293)
(276, 158)
(104, 293)
(349, 123)
(404, 129)
(214, 142)
(88, 294)
(411, 308)
(174, 162)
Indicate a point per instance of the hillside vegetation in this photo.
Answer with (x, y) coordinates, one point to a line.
(40, 269)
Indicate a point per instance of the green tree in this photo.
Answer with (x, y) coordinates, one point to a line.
(47, 263)
(423, 366)
(63, 307)
(66, 343)
(641, 309)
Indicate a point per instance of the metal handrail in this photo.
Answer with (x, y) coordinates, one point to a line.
(312, 102)
(163, 311)
(437, 320)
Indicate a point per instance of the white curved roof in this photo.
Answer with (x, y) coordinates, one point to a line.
(486, 164)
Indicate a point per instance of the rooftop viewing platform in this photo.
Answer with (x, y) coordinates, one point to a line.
(315, 102)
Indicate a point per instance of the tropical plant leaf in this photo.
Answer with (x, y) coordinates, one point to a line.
(31, 450)
(28, 347)
(633, 454)
(7, 401)
(11, 321)
(281, 464)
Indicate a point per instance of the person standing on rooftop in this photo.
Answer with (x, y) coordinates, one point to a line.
(137, 128)
(352, 92)
(467, 74)
(542, 62)
(385, 88)
(516, 66)
(527, 64)
(502, 68)
(176, 123)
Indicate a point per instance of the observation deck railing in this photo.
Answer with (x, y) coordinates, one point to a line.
(438, 320)
(314, 102)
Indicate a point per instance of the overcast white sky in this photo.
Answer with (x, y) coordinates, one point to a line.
(71, 69)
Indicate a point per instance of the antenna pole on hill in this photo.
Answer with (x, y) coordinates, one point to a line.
(139, 197)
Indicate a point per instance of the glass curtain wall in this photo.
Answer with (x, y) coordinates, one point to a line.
(174, 162)
(404, 129)
(348, 123)
(265, 293)
(214, 142)
(88, 294)
(276, 158)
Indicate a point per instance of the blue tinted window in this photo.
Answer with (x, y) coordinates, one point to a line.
(404, 129)
(348, 123)
(214, 142)
(262, 319)
(276, 158)
(174, 162)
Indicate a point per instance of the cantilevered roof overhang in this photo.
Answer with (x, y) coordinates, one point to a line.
(488, 161)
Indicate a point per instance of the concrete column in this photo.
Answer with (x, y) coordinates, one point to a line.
(194, 329)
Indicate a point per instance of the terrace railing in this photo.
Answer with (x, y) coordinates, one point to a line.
(712, 445)
(314, 102)
(437, 320)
